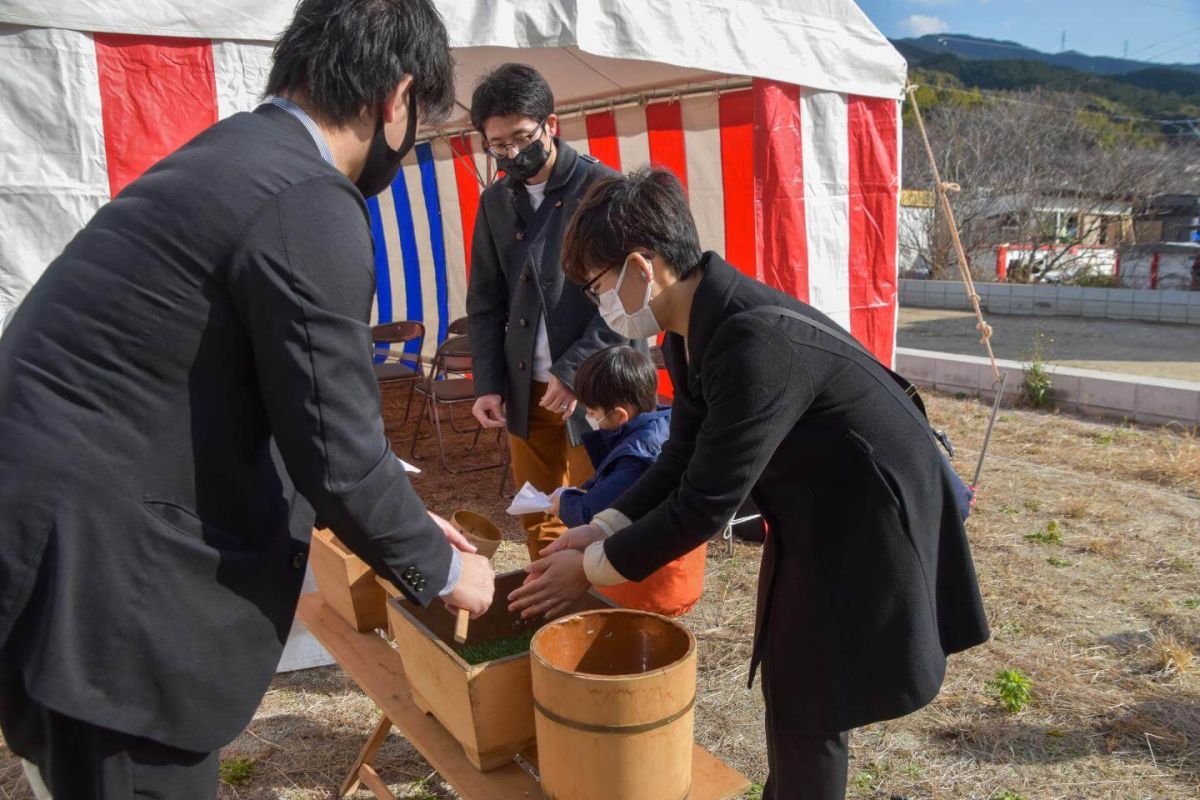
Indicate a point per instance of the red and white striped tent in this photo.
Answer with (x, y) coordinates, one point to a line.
(780, 117)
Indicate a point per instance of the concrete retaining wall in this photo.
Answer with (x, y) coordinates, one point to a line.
(1143, 305)
(1152, 401)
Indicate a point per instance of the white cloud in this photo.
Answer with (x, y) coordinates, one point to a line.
(921, 24)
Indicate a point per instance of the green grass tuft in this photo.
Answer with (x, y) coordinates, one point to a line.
(1012, 689)
(236, 771)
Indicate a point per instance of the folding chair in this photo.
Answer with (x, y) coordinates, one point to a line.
(446, 386)
(393, 370)
(457, 363)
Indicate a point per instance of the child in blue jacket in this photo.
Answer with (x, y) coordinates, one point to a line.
(619, 388)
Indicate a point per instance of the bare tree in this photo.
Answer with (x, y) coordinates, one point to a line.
(1035, 169)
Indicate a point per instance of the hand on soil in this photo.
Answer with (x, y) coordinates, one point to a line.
(555, 582)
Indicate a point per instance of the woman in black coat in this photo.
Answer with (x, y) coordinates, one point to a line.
(866, 582)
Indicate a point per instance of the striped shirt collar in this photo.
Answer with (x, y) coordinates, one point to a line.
(307, 121)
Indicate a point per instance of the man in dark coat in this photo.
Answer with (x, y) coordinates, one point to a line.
(152, 548)
(867, 581)
(530, 328)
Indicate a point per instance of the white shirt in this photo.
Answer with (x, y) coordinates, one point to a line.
(541, 345)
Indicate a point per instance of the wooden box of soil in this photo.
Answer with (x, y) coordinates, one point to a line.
(346, 583)
(487, 706)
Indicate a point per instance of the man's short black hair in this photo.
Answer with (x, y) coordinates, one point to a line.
(348, 55)
(622, 214)
(617, 376)
(511, 89)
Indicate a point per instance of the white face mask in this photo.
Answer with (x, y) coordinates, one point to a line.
(641, 324)
(594, 423)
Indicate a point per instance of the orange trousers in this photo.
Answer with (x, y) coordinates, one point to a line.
(547, 460)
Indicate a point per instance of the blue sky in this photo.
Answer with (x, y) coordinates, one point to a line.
(1162, 31)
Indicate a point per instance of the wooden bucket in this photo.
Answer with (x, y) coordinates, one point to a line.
(479, 530)
(487, 707)
(613, 695)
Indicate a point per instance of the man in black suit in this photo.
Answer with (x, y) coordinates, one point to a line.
(867, 581)
(530, 327)
(186, 383)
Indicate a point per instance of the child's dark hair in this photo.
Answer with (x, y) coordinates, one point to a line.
(620, 214)
(617, 376)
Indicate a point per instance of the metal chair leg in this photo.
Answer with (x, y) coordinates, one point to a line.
(412, 451)
(437, 431)
(412, 389)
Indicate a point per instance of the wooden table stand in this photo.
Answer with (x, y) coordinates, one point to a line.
(362, 771)
(371, 663)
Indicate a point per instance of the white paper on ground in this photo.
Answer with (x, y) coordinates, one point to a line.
(407, 466)
(530, 501)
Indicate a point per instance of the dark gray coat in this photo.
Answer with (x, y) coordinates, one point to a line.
(151, 549)
(516, 276)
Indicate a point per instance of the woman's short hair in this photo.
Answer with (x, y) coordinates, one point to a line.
(348, 55)
(621, 214)
(616, 376)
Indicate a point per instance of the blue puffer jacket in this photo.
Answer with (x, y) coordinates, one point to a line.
(620, 458)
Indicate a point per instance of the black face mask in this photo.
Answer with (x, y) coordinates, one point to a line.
(527, 163)
(383, 163)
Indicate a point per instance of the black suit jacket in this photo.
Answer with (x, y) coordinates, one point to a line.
(151, 549)
(516, 277)
(867, 581)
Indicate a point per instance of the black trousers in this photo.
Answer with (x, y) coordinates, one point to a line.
(803, 766)
(81, 761)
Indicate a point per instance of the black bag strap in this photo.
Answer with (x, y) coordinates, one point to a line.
(837, 333)
(905, 385)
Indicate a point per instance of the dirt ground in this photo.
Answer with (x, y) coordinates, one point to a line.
(1105, 623)
(1137, 348)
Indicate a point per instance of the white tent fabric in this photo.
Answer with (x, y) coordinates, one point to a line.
(822, 44)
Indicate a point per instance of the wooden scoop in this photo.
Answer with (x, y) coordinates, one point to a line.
(483, 533)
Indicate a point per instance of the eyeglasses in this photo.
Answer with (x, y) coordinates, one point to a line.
(520, 142)
(589, 289)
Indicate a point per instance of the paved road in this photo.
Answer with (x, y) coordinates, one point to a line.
(1138, 348)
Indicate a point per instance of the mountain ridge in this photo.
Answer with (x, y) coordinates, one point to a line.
(970, 47)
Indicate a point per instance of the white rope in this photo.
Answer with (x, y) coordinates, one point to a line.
(964, 266)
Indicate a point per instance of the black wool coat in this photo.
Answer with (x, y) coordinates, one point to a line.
(152, 548)
(517, 277)
(867, 581)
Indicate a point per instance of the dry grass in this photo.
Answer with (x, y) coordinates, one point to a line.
(1110, 637)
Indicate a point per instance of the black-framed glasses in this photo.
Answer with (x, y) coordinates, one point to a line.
(589, 289)
(521, 142)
